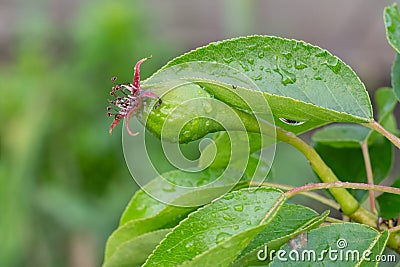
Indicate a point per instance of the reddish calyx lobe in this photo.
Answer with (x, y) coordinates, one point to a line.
(127, 99)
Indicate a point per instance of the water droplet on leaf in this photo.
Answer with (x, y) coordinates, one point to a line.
(300, 65)
(244, 67)
(221, 237)
(252, 47)
(287, 55)
(286, 76)
(257, 208)
(295, 46)
(168, 188)
(321, 54)
(228, 60)
(228, 197)
(227, 217)
(317, 77)
(238, 207)
(257, 78)
(267, 47)
(189, 244)
(334, 65)
(291, 122)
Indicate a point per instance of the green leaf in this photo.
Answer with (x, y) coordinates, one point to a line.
(135, 251)
(289, 71)
(134, 229)
(340, 145)
(341, 136)
(300, 82)
(395, 74)
(218, 232)
(389, 204)
(144, 206)
(348, 162)
(145, 214)
(386, 103)
(348, 239)
(392, 23)
(290, 221)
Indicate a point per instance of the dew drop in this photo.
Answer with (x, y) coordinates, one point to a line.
(287, 55)
(241, 53)
(257, 208)
(277, 70)
(227, 245)
(317, 77)
(261, 67)
(248, 222)
(221, 237)
(228, 60)
(168, 188)
(227, 217)
(286, 76)
(141, 207)
(252, 47)
(189, 244)
(235, 227)
(257, 78)
(322, 54)
(164, 110)
(228, 197)
(251, 61)
(300, 65)
(238, 207)
(389, 24)
(261, 55)
(334, 65)
(291, 122)
(267, 47)
(244, 67)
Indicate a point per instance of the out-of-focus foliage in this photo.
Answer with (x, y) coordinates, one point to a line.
(61, 174)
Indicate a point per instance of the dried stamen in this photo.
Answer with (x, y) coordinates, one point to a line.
(127, 104)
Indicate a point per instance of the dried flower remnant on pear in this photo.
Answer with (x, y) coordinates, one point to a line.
(128, 98)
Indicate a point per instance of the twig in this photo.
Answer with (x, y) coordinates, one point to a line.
(370, 178)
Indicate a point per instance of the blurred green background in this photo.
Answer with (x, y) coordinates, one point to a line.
(63, 180)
